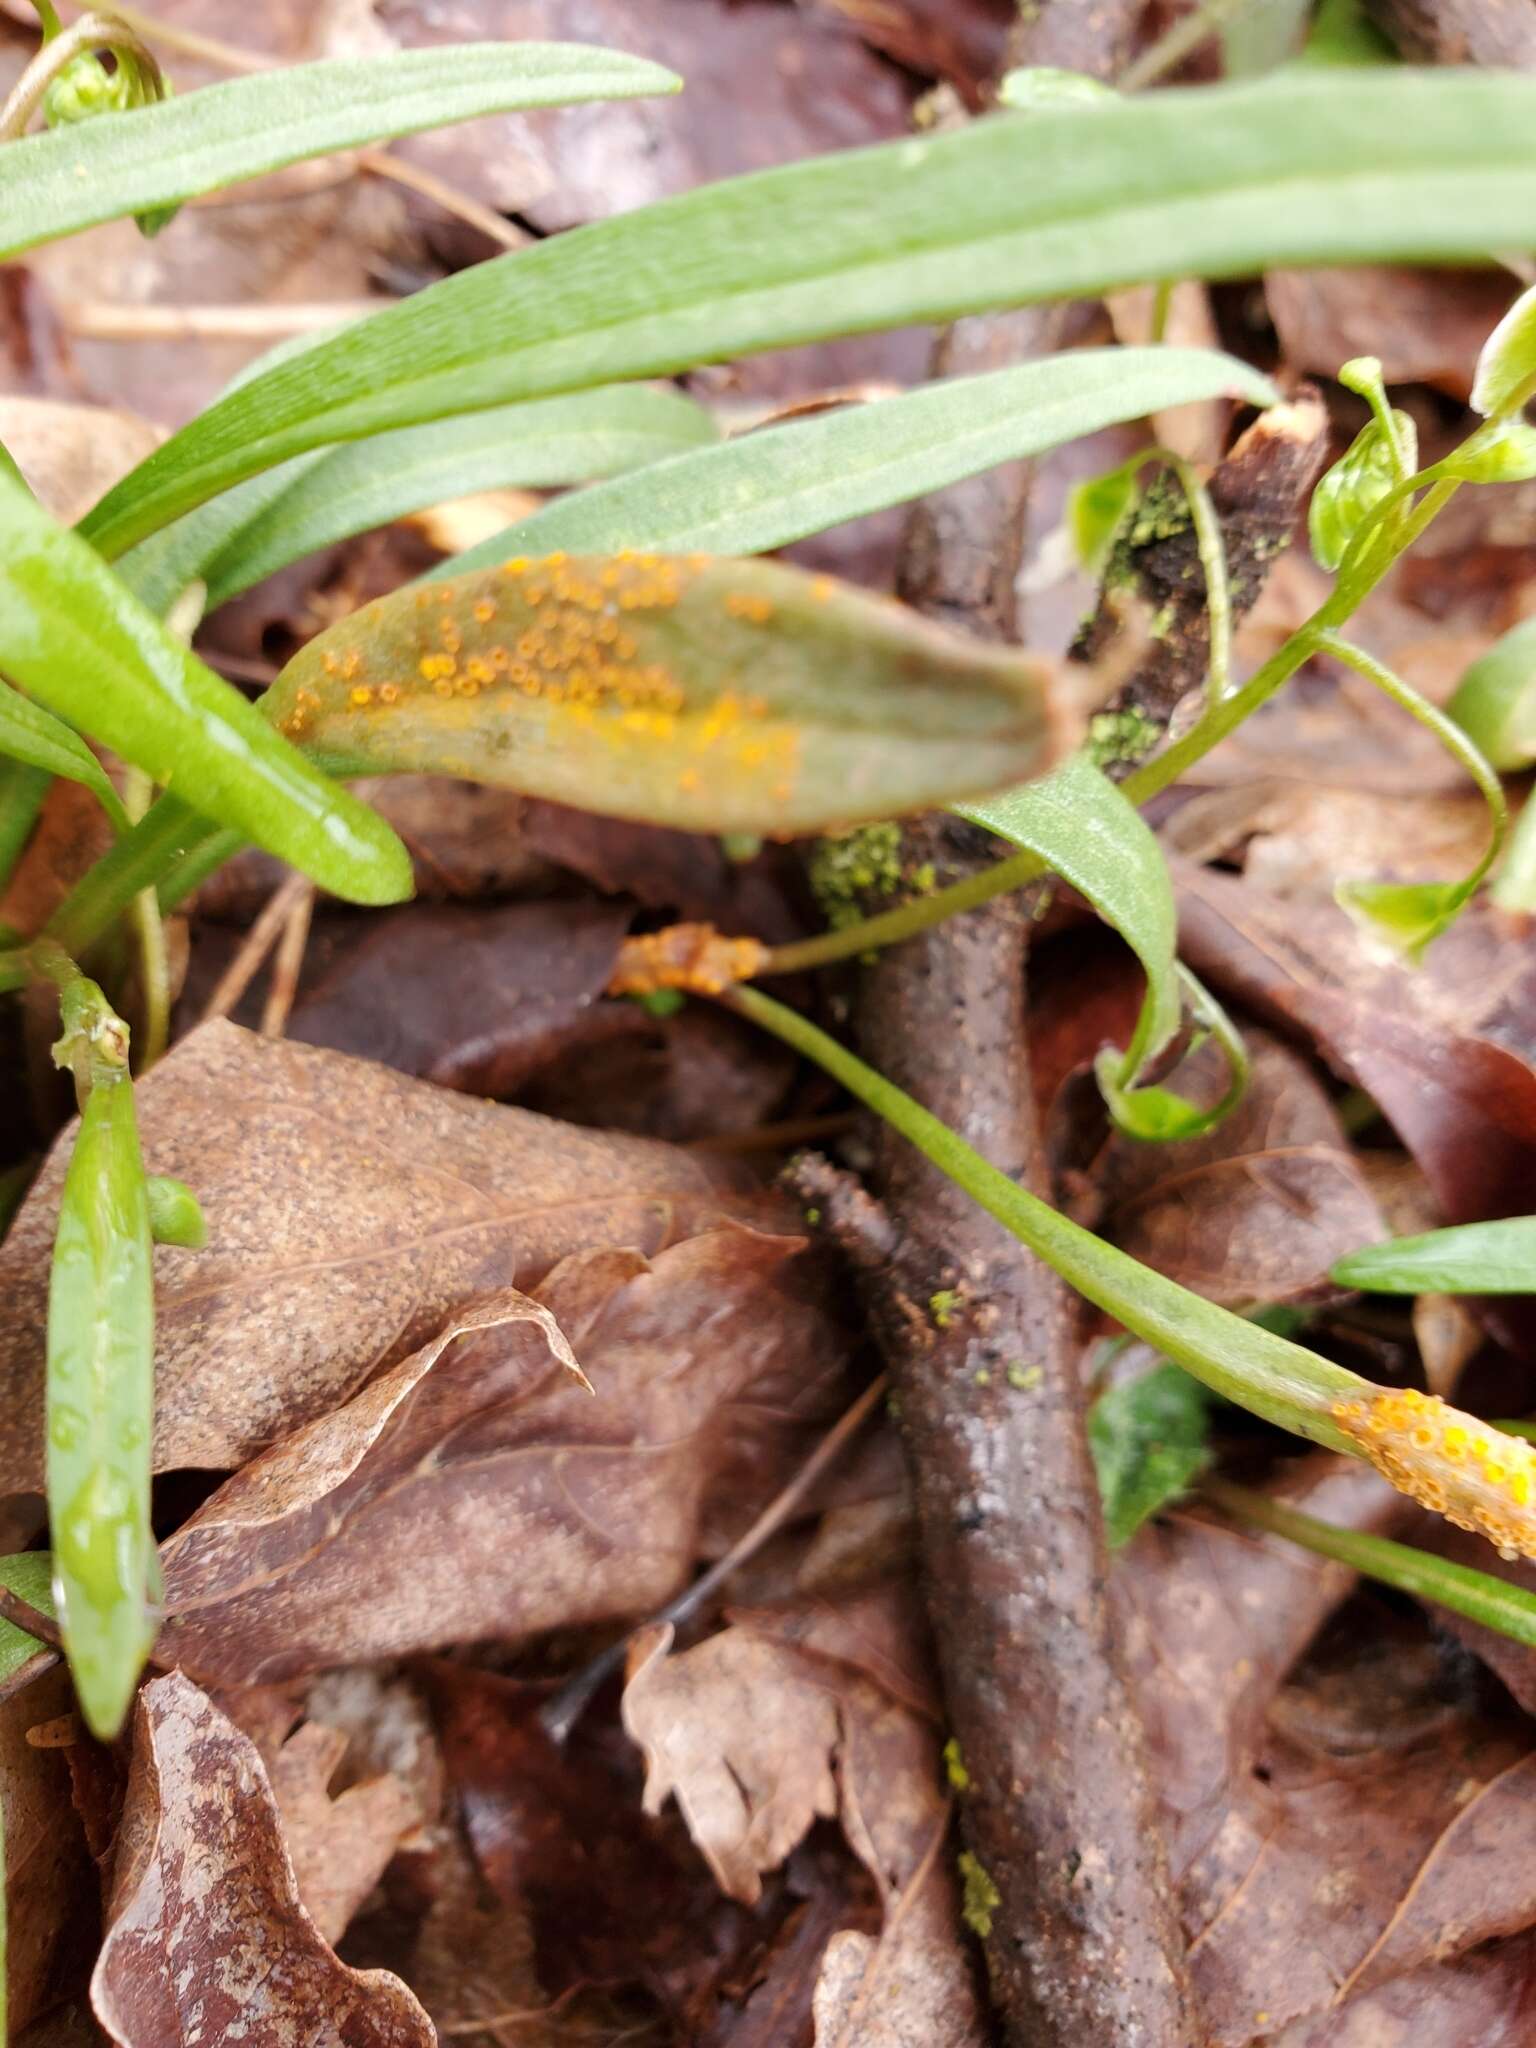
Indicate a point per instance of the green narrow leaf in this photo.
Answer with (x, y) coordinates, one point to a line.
(1495, 701)
(770, 488)
(1506, 368)
(534, 446)
(29, 1574)
(100, 1401)
(1497, 1604)
(75, 638)
(73, 178)
(22, 791)
(1306, 167)
(1149, 1445)
(1087, 831)
(1514, 887)
(1469, 1258)
(695, 691)
(32, 735)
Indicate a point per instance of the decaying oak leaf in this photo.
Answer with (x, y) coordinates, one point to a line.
(1255, 1211)
(47, 1870)
(697, 691)
(475, 1490)
(206, 1939)
(757, 1739)
(350, 1212)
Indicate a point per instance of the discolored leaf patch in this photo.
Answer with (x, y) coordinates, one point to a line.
(206, 1939)
(694, 691)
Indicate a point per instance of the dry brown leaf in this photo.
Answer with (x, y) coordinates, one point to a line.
(206, 1938)
(350, 1211)
(1425, 326)
(339, 1845)
(471, 998)
(48, 1876)
(1488, 1999)
(746, 1741)
(474, 1491)
(1258, 1209)
(71, 454)
(757, 1738)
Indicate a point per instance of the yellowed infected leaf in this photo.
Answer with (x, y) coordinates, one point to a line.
(702, 692)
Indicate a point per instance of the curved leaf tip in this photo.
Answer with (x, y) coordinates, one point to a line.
(695, 691)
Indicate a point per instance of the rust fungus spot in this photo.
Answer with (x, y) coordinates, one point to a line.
(360, 696)
(692, 957)
(1449, 1462)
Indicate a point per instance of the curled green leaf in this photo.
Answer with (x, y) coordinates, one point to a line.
(695, 691)
(1469, 1258)
(1356, 484)
(79, 643)
(1495, 701)
(1044, 85)
(175, 1214)
(1407, 916)
(1085, 829)
(1506, 368)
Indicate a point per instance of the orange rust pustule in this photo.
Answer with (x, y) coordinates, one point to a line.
(1476, 1476)
(692, 957)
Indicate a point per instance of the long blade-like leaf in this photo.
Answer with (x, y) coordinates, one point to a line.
(1469, 1258)
(34, 736)
(81, 644)
(74, 177)
(770, 488)
(1310, 167)
(367, 483)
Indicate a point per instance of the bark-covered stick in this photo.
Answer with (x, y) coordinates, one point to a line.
(1259, 493)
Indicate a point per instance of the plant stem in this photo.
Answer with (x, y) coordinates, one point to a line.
(1478, 1595)
(1180, 41)
(1249, 1365)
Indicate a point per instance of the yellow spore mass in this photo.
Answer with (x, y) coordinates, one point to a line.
(1475, 1476)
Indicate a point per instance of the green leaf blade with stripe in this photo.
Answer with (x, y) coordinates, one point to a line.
(1303, 168)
